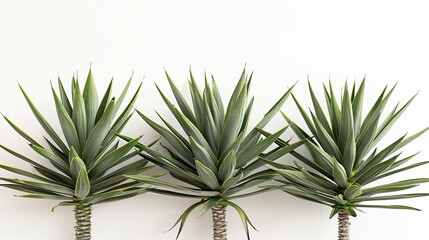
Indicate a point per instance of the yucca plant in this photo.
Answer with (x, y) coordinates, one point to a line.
(88, 167)
(216, 158)
(344, 155)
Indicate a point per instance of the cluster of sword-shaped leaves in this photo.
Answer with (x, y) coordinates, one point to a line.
(217, 157)
(88, 167)
(344, 156)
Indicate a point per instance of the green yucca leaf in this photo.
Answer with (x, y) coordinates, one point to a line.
(377, 108)
(339, 199)
(244, 218)
(56, 150)
(176, 193)
(278, 165)
(390, 120)
(315, 178)
(28, 189)
(233, 120)
(79, 116)
(370, 125)
(377, 158)
(183, 175)
(86, 168)
(194, 132)
(122, 96)
(357, 104)
(158, 182)
(347, 124)
(306, 118)
(321, 159)
(254, 134)
(38, 167)
(112, 195)
(246, 117)
(132, 168)
(235, 146)
(297, 130)
(227, 167)
(44, 123)
(241, 84)
(326, 141)
(318, 110)
(122, 120)
(281, 151)
(391, 197)
(196, 101)
(349, 154)
(303, 159)
(307, 195)
(54, 176)
(231, 192)
(208, 205)
(165, 160)
(410, 139)
(184, 216)
(203, 156)
(402, 207)
(82, 184)
(95, 138)
(43, 196)
(67, 124)
(181, 100)
(207, 176)
(257, 149)
(376, 170)
(90, 97)
(344, 157)
(353, 191)
(340, 174)
(334, 111)
(21, 132)
(186, 194)
(210, 128)
(72, 154)
(25, 173)
(218, 100)
(250, 194)
(54, 159)
(362, 143)
(388, 173)
(76, 164)
(264, 174)
(405, 184)
(211, 107)
(115, 177)
(184, 140)
(231, 181)
(49, 187)
(64, 99)
(300, 178)
(104, 102)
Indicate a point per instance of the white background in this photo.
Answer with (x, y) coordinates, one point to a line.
(281, 41)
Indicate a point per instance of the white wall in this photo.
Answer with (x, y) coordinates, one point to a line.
(282, 41)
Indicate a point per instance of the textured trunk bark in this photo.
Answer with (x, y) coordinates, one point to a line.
(83, 222)
(219, 222)
(343, 226)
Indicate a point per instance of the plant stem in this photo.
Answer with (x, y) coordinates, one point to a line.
(219, 222)
(83, 222)
(343, 226)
